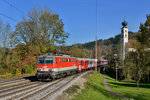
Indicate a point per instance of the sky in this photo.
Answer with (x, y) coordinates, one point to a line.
(79, 16)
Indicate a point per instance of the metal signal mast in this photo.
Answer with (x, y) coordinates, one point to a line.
(96, 53)
(96, 39)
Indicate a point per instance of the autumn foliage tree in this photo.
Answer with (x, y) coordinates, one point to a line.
(137, 63)
(38, 33)
(42, 29)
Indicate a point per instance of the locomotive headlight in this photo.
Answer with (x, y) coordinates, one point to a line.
(38, 69)
(50, 70)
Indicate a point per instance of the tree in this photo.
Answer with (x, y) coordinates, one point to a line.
(144, 37)
(80, 52)
(136, 63)
(5, 32)
(42, 29)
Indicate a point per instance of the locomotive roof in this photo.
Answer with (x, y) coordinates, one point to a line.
(51, 54)
(57, 56)
(84, 59)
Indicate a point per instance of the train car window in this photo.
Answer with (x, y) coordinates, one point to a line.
(70, 60)
(60, 60)
(91, 62)
(66, 60)
(81, 62)
(49, 60)
(41, 61)
(85, 62)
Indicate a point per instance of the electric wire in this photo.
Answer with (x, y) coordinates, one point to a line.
(13, 6)
(8, 17)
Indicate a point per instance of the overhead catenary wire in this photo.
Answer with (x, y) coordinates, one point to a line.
(1, 14)
(13, 6)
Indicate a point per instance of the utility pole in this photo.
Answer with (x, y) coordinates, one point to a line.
(116, 71)
(96, 41)
(115, 57)
(96, 54)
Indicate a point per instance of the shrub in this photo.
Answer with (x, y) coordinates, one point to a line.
(27, 69)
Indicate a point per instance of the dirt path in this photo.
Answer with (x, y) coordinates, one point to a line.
(108, 89)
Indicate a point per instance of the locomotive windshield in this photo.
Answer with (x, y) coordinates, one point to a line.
(49, 60)
(42, 60)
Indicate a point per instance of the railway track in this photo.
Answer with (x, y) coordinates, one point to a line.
(38, 90)
(14, 79)
(13, 82)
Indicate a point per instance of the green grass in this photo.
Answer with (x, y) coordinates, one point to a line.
(95, 90)
(129, 89)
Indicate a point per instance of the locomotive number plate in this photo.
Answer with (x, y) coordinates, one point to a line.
(44, 67)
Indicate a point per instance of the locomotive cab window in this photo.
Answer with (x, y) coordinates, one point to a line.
(49, 60)
(45, 60)
(41, 61)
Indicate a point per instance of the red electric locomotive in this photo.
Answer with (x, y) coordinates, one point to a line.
(55, 66)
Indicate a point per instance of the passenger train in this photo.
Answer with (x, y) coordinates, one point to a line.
(52, 66)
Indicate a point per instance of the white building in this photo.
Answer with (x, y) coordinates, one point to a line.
(124, 39)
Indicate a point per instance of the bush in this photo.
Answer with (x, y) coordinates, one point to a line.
(23, 71)
(18, 72)
(27, 69)
(2, 70)
(13, 71)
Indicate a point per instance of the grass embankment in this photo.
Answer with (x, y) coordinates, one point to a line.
(95, 90)
(129, 89)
